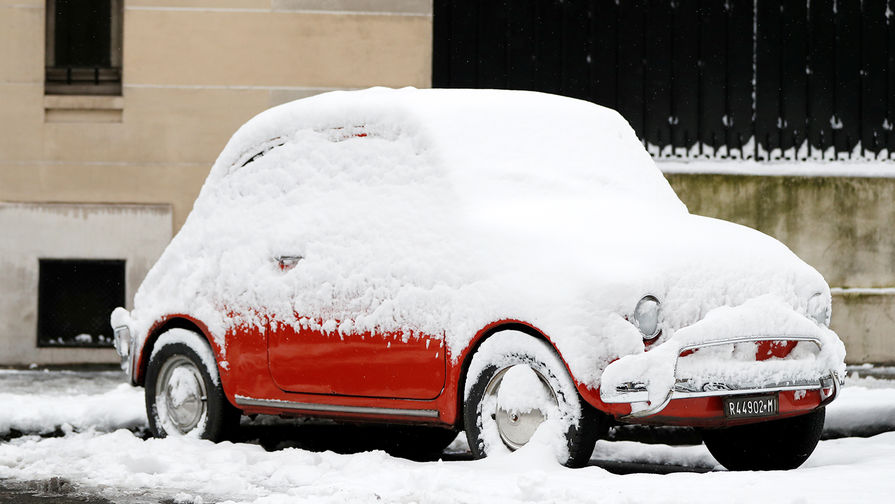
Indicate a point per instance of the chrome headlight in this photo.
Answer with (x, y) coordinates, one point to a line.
(646, 317)
(819, 309)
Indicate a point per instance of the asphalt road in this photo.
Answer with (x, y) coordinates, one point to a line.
(55, 490)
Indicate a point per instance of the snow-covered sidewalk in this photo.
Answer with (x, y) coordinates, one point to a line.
(42, 402)
(100, 455)
(123, 467)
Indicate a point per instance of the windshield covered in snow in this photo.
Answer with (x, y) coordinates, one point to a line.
(474, 145)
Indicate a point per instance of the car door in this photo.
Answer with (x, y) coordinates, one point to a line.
(316, 359)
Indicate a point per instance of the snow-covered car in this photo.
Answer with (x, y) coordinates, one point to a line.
(508, 263)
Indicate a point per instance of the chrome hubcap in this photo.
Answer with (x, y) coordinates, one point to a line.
(517, 425)
(180, 394)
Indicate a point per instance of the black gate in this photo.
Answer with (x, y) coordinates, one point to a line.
(750, 79)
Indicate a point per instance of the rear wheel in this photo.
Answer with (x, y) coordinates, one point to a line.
(518, 389)
(183, 391)
(765, 446)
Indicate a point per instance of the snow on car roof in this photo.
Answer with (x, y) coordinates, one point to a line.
(509, 138)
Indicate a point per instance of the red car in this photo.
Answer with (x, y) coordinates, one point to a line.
(508, 263)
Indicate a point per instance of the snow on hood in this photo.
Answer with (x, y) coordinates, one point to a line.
(440, 211)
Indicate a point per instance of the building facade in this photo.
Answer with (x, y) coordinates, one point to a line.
(111, 114)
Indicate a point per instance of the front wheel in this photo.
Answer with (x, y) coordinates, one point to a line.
(183, 389)
(766, 446)
(518, 389)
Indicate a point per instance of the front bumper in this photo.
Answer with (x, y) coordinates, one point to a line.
(636, 394)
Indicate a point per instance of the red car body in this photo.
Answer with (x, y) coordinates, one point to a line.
(377, 377)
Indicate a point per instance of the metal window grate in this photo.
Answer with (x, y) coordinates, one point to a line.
(75, 298)
(83, 47)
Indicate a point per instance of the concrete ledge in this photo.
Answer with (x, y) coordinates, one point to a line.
(866, 323)
(77, 108)
(83, 102)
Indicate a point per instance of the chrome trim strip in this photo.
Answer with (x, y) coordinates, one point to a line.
(334, 408)
(748, 339)
(640, 394)
(643, 396)
(751, 390)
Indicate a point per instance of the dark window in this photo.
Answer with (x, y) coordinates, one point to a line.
(75, 298)
(83, 47)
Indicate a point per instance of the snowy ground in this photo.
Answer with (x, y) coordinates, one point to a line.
(84, 434)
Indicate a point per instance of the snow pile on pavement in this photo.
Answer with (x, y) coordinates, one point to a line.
(119, 408)
(122, 467)
(866, 406)
(116, 465)
(696, 456)
(437, 212)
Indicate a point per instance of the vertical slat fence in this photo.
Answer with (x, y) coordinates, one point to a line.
(744, 79)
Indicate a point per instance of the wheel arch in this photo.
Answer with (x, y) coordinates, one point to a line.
(171, 322)
(483, 335)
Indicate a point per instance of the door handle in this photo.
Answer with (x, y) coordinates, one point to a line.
(287, 262)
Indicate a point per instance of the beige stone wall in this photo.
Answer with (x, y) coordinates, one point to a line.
(839, 225)
(194, 70)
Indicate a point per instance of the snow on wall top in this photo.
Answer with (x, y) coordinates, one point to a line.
(441, 211)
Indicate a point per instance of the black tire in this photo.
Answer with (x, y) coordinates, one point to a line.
(766, 446)
(217, 419)
(497, 356)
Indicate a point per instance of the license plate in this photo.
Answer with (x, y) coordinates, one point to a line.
(750, 406)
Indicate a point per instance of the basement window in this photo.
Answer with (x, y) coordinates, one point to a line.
(75, 298)
(83, 47)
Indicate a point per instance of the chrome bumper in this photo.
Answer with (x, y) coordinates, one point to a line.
(637, 395)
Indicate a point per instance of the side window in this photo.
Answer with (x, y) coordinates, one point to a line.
(83, 47)
(260, 151)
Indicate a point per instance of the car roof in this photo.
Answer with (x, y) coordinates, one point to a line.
(480, 138)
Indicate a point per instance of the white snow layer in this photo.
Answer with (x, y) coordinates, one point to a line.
(119, 408)
(120, 464)
(440, 211)
(800, 168)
